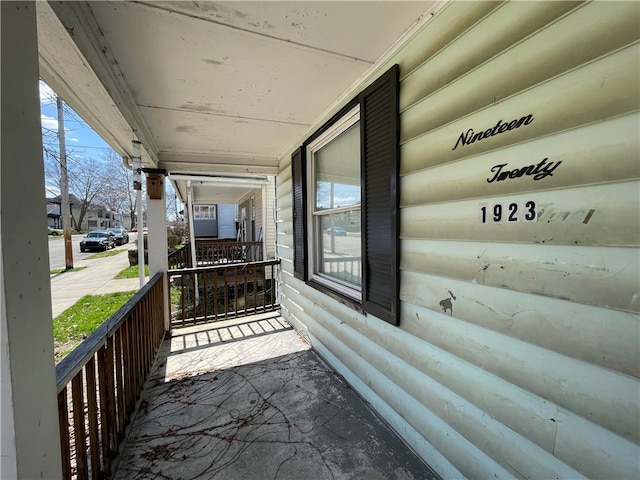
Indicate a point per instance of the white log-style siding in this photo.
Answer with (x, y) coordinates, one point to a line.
(518, 349)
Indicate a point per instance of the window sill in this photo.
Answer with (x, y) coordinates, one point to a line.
(343, 299)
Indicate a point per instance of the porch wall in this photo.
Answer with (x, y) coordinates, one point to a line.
(532, 370)
(264, 206)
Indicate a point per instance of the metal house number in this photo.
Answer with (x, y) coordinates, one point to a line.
(511, 212)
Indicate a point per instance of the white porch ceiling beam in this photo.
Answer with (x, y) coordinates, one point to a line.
(222, 181)
(219, 168)
(89, 40)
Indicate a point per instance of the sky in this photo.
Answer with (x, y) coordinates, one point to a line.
(81, 141)
(80, 137)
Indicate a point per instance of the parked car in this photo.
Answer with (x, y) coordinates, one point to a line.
(134, 229)
(98, 240)
(339, 231)
(55, 231)
(122, 236)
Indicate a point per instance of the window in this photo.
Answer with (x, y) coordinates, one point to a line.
(345, 203)
(334, 215)
(204, 212)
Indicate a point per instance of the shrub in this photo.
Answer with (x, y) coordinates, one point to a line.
(173, 240)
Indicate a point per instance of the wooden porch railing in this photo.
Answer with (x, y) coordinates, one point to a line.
(100, 382)
(216, 252)
(180, 258)
(212, 293)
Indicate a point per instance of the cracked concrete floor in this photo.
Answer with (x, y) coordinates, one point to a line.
(249, 399)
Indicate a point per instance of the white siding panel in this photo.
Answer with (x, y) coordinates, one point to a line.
(557, 48)
(506, 26)
(596, 153)
(558, 271)
(449, 23)
(285, 219)
(565, 218)
(607, 398)
(604, 337)
(599, 90)
(285, 200)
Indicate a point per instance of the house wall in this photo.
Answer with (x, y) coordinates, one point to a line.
(252, 224)
(269, 213)
(518, 349)
(205, 228)
(227, 214)
(264, 199)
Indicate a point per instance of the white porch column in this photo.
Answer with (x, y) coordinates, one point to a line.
(29, 418)
(192, 235)
(157, 236)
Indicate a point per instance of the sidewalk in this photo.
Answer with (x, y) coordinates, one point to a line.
(96, 279)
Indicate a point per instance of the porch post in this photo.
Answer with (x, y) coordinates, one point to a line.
(192, 236)
(30, 434)
(136, 165)
(157, 225)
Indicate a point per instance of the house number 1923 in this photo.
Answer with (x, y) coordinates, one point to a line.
(511, 212)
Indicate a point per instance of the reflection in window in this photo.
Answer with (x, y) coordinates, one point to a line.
(336, 222)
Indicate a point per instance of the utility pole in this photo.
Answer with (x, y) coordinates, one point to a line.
(64, 188)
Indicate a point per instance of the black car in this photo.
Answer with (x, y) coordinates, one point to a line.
(122, 236)
(98, 240)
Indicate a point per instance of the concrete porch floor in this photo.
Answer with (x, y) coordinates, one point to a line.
(249, 399)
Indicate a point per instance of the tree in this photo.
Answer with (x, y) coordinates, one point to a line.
(87, 181)
(118, 193)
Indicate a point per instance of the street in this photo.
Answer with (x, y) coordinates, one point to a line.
(56, 250)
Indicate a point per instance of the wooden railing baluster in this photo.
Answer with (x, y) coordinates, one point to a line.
(63, 419)
(228, 290)
(124, 347)
(92, 410)
(78, 425)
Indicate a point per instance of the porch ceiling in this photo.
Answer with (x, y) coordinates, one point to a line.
(212, 87)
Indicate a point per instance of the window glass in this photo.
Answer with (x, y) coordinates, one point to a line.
(204, 212)
(337, 171)
(339, 249)
(335, 225)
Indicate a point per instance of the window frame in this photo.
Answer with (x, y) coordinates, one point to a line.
(198, 211)
(324, 138)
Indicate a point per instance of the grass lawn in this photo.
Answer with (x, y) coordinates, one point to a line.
(106, 253)
(132, 272)
(78, 321)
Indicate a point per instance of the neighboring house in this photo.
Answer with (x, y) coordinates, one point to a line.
(205, 221)
(96, 217)
(252, 219)
(54, 214)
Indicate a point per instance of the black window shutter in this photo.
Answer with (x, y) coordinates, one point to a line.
(298, 175)
(380, 136)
